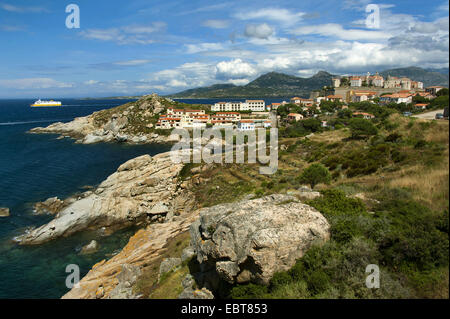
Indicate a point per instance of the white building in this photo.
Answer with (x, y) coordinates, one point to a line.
(336, 82)
(248, 105)
(246, 125)
(250, 125)
(355, 81)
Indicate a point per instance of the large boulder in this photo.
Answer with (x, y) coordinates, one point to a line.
(250, 240)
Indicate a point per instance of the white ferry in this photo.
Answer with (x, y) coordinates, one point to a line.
(45, 103)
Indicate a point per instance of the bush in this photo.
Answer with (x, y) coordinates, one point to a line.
(315, 174)
(280, 279)
(334, 202)
(362, 128)
(249, 291)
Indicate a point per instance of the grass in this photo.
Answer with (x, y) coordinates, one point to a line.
(147, 284)
(411, 172)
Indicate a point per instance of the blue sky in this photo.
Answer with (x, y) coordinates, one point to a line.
(136, 46)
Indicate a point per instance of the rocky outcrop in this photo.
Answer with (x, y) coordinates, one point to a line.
(51, 205)
(126, 279)
(249, 241)
(144, 249)
(4, 212)
(90, 248)
(128, 123)
(144, 189)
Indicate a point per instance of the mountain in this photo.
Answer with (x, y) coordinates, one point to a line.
(442, 70)
(276, 84)
(271, 84)
(428, 77)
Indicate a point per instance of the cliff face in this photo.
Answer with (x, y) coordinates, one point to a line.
(104, 280)
(142, 190)
(132, 123)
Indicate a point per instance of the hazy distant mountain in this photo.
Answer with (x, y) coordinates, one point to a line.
(272, 84)
(442, 71)
(275, 84)
(428, 77)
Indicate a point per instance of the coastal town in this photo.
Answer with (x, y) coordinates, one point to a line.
(252, 114)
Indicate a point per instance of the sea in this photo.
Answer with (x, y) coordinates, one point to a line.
(34, 167)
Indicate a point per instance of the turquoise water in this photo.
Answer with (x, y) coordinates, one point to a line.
(34, 167)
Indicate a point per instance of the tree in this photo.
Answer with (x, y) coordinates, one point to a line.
(362, 128)
(315, 174)
(442, 92)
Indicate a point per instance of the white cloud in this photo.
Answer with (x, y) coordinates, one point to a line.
(282, 16)
(260, 31)
(133, 34)
(132, 62)
(33, 83)
(216, 24)
(21, 9)
(336, 30)
(234, 69)
(203, 47)
(91, 82)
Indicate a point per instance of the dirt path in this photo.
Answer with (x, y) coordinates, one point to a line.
(429, 115)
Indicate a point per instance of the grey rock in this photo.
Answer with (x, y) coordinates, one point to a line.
(190, 293)
(158, 209)
(167, 265)
(188, 281)
(127, 278)
(187, 253)
(250, 240)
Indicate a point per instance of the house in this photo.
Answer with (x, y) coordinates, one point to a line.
(426, 95)
(364, 115)
(319, 99)
(165, 122)
(397, 98)
(355, 81)
(421, 106)
(334, 98)
(248, 105)
(336, 82)
(376, 80)
(361, 96)
(226, 117)
(434, 89)
(273, 106)
(246, 125)
(294, 117)
(416, 85)
(256, 105)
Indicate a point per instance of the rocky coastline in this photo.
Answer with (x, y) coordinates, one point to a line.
(142, 190)
(131, 123)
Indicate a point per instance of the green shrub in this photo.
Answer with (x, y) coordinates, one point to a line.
(280, 279)
(315, 174)
(334, 202)
(249, 291)
(362, 128)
